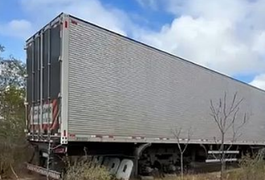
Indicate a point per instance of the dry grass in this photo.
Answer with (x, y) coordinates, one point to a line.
(250, 169)
(87, 171)
(210, 176)
(235, 175)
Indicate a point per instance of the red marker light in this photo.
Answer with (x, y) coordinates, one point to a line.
(65, 24)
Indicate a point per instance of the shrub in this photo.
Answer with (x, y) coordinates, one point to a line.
(87, 171)
(251, 168)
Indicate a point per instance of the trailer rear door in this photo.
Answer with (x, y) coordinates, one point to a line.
(43, 82)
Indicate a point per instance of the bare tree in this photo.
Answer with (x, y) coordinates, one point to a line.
(225, 116)
(182, 146)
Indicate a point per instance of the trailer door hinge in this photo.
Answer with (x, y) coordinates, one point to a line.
(60, 59)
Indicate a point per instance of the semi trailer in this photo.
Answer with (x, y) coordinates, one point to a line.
(93, 92)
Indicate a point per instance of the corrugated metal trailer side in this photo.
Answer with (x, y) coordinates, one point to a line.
(122, 90)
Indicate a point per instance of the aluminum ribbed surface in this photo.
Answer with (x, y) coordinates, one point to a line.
(123, 88)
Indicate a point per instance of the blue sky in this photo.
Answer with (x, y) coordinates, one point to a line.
(14, 43)
(227, 36)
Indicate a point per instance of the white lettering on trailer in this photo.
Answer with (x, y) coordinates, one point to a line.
(46, 113)
(113, 165)
(125, 169)
(121, 169)
(98, 159)
(106, 161)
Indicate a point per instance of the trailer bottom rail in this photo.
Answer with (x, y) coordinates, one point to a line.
(43, 171)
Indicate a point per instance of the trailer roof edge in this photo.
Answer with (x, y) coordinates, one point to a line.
(149, 46)
(43, 27)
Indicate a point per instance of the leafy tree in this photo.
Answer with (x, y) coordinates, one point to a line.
(12, 113)
(12, 73)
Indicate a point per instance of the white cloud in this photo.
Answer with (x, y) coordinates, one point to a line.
(227, 36)
(259, 44)
(93, 11)
(17, 28)
(259, 81)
